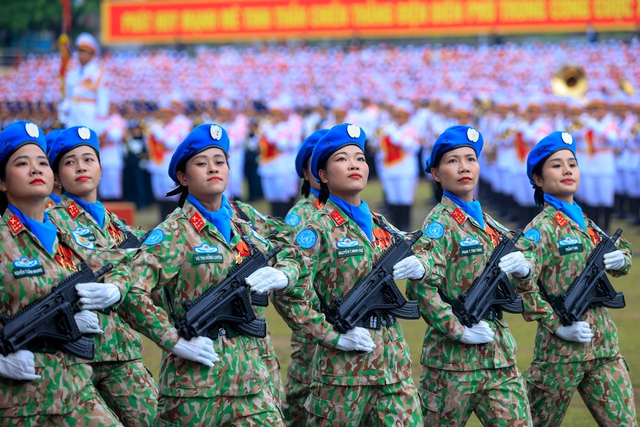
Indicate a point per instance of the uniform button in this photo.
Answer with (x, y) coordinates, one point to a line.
(223, 331)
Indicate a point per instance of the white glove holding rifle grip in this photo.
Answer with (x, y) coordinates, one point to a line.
(408, 268)
(97, 296)
(357, 339)
(516, 264)
(198, 349)
(19, 366)
(576, 332)
(267, 279)
(88, 322)
(614, 260)
(480, 333)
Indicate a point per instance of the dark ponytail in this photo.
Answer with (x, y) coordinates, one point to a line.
(306, 188)
(4, 201)
(438, 191)
(538, 194)
(324, 194)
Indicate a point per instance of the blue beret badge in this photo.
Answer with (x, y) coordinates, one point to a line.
(533, 235)
(156, 236)
(435, 230)
(307, 238)
(292, 219)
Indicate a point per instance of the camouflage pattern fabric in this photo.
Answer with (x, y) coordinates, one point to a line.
(255, 410)
(27, 273)
(387, 405)
(456, 249)
(333, 254)
(497, 396)
(128, 389)
(187, 255)
(604, 385)
(91, 411)
(119, 342)
(596, 369)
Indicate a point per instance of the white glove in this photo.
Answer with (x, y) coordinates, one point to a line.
(515, 263)
(408, 268)
(198, 349)
(267, 279)
(97, 296)
(87, 322)
(577, 332)
(480, 333)
(19, 366)
(357, 339)
(614, 260)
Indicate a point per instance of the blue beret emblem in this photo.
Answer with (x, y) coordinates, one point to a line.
(435, 230)
(156, 236)
(292, 219)
(533, 235)
(307, 238)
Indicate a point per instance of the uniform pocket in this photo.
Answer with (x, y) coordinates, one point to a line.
(432, 405)
(320, 408)
(546, 381)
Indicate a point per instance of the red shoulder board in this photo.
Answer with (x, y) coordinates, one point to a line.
(317, 204)
(15, 224)
(458, 215)
(197, 221)
(337, 217)
(49, 204)
(560, 219)
(73, 210)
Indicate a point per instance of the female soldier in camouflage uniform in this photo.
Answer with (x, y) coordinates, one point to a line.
(585, 355)
(118, 372)
(299, 376)
(192, 250)
(364, 374)
(464, 369)
(40, 389)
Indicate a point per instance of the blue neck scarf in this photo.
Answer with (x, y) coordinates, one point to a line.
(45, 231)
(221, 218)
(96, 209)
(55, 198)
(314, 191)
(573, 211)
(360, 214)
(473, 209)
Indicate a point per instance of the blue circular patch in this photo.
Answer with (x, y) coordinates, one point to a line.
(435, 230)
(533, 235)
(156, 236)
(292, 219)
(307, 238)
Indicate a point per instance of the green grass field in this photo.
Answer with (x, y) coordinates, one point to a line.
(578, 415)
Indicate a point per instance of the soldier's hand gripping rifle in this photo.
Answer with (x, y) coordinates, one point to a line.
(227, 302)
(49, 323)
(592, 287)
(491, 289)
(377, 291)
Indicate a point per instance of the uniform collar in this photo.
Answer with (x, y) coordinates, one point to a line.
(561, 220)
(458, 214)
(199, 223)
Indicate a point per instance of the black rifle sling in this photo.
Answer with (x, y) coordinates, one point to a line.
(243, 216)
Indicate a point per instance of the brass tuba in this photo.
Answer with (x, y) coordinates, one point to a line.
(569, 80)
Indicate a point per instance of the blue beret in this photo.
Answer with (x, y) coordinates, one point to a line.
(51, 136)
(547, 146)
(71, 138)
(18, 134)
(455, 137)
(337, 137)
(201, 138)
(306, 148)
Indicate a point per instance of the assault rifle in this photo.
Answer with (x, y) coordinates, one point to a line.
(377, 291)
(131, 241)
(49, 323)
(227, 302)
(591, 288)
(491, 290)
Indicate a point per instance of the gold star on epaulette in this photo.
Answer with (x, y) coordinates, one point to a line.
(73, 210)
(197, 221)
(317, 204)
(15, 224)
(337, 217)
(458, 215)
(560, 219)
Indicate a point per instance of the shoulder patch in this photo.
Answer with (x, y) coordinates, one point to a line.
(533, 234)
(292, 219)
(434, 230)
(156, 236)
(82, 240)
(307, 238)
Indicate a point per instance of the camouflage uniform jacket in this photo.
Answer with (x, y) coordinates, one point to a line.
(562, 251)
(333, 254)
(118, 342)
(186, 255)
(302, 210)
(27, 273)
(455, 250)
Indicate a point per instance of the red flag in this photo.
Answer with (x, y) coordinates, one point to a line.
(65, 55)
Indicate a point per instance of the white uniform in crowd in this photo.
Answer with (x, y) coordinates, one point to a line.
(238, 131)
(111, 156)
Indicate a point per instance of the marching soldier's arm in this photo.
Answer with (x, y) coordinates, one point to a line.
(623, 246)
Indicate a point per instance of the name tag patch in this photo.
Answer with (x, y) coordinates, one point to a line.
(569, 245)
(470, 246)
(26, 267)
(205, 254)
(347, 247)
